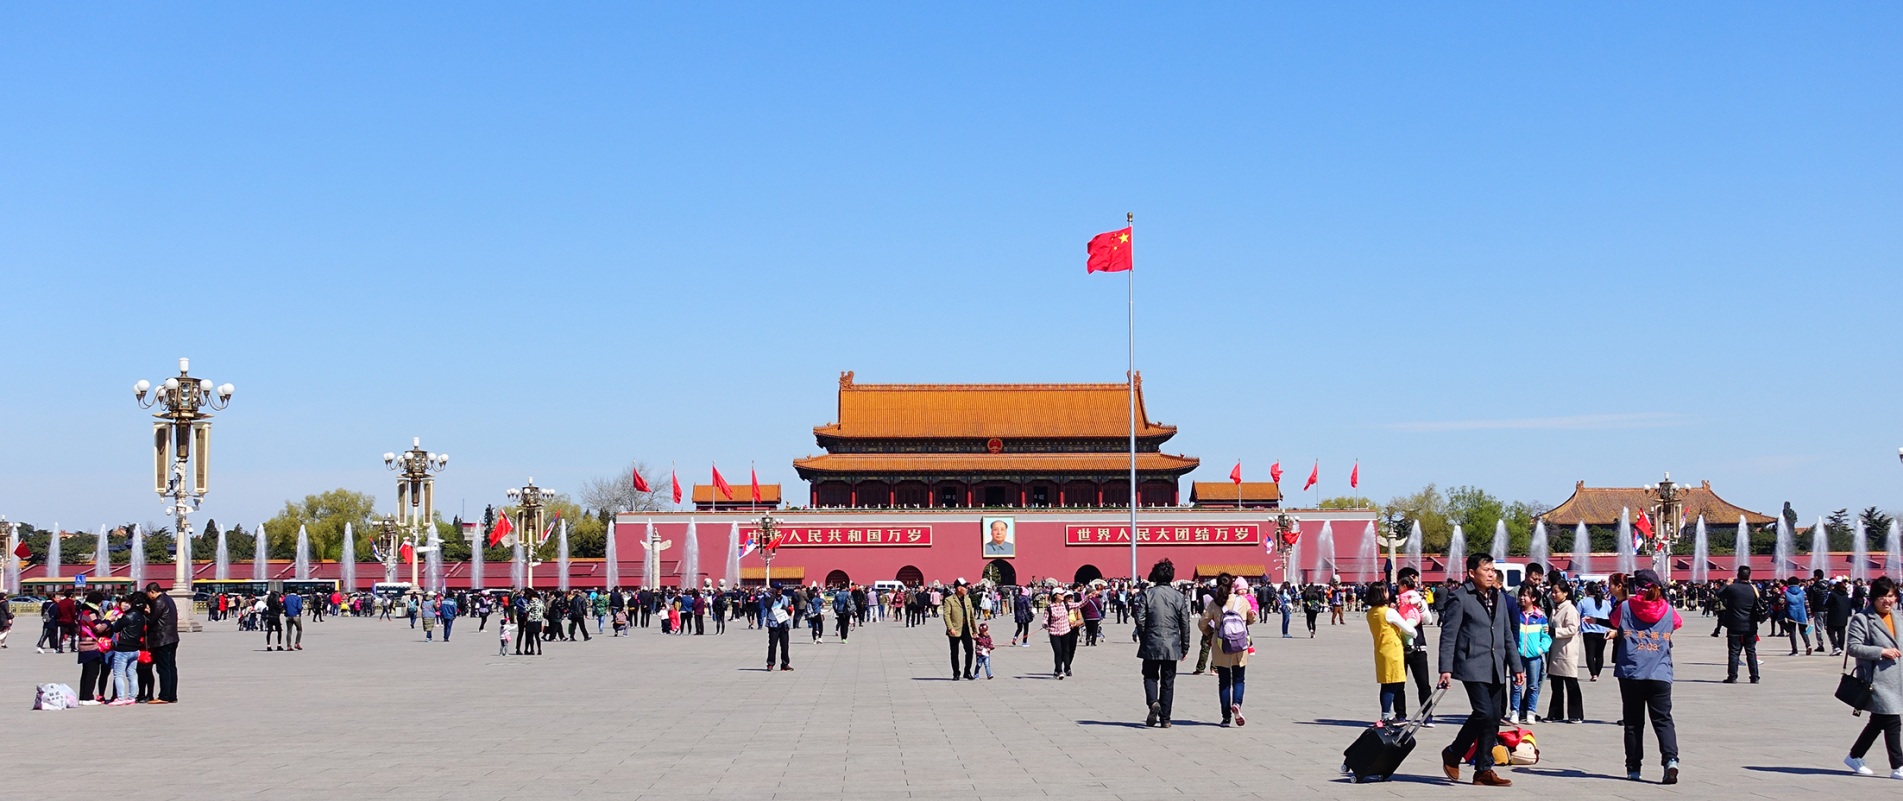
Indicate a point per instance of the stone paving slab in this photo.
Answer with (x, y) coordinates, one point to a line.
(369, 710)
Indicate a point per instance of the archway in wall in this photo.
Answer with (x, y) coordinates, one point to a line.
(838, 578)
(1001, 573)
(1087, 574)
(910, 576)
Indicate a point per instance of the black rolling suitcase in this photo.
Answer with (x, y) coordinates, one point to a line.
(1380, 750)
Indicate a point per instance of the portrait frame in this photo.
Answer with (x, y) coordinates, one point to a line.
(1010, 547)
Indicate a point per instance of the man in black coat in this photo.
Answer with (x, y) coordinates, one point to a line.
(1479, 646)
(1743, 611)
(161, 638)
(1837, 608)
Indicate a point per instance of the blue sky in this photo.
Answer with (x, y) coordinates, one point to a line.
(1502, 245)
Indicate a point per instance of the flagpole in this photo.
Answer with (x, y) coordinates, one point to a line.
(1130, 219)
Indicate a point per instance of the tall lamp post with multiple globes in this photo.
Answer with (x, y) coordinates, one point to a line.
(768, 548)
(1288, 532)
(416, 495)
(181, 467)
(531, 498)
(1668, 512)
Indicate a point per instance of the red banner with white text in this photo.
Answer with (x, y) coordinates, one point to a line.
(1165, 534)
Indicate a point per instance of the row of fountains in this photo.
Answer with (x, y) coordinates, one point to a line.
(1783, 560)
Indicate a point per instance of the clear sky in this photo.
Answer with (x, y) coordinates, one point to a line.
(1513, 246)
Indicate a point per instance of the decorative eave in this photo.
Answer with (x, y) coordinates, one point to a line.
(1600, 506)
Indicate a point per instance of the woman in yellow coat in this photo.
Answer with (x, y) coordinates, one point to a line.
(1391, 634)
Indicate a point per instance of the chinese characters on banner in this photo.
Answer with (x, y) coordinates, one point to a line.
(828, 536)
(1165, 534)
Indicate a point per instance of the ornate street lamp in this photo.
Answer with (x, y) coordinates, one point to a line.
(1288, 532)
(387, 544)
(11, 559)
(769, 547)
(416, 496)
(180, 431)
(1668, 513)
(531, 498)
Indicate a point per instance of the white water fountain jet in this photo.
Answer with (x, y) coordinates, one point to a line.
(1499, 550)
(1783, 562)
(1819, 548)
(433, 563)
(1414, 546)
(1701, 552)
(1457, 553)
(221, 560)
(1860, 553)
(1369, 555)
(135, 556)
(53, 552)
(346, 560)
(731, 573)
(1741, 548)
(689, 567)
(1893, 551)
(515, 564)
(1582, 549)
(1628, 561)
(1292, 571)
(1325, 552)
(477, 578)
(611, 558)
(102, 556)
(561, 556)
(301, 562)
(1538, 549)
(260, 563)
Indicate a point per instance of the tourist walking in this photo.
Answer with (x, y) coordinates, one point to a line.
(1478, 648)
(961, 628)
(531, 609)
(844, 611)
(448, 609)
(1162, 628)
(983, 643)
(1062, 620)
(1021, 612)
(776, 614)
(1873, 642)
(293, 622)
(1595, 612)
(273, 616)
(1837, 609)
(1227, 618)
(1393, 636)
(1533, 641)
(1642, 662)
(1562, 660)
(1744, 610)
(1797, 614)
(1412, 606)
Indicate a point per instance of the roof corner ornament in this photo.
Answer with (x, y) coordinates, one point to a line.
(845, 380)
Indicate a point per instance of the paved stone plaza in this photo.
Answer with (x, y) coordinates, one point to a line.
(369, 710)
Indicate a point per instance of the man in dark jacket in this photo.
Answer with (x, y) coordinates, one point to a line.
(1743, 611)
(1837, 608)
(1162, 627)
(161, 639)
(1479, 646)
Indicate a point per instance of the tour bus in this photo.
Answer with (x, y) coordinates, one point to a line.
(206, 588)
(390, 589)
(53, 585)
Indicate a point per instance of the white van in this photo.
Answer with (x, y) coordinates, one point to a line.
(887, 585)
(1512, 575)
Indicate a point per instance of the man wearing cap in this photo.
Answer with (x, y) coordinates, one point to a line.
(1642, 662)
(961, 627)
(1478, 646)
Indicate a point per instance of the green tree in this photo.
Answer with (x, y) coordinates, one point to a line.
(1348, 502)
(323, 517)
(1426, 507)
(1840, 529)
(1874, 522)
(1476, 510)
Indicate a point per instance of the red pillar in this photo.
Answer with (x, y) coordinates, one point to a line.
(813, 492)
(1021, 498)
(1099, 493)
(1060, 495)
(855, 494)
(968, 496)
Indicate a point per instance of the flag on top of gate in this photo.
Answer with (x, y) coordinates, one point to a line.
(720, 483)
(502, 529)
(640, 484)
(1275, 472)
(1235, 476)
(1109, 252)
(754, 476)
(677, 486)
(1354, 477)
(1314, 476)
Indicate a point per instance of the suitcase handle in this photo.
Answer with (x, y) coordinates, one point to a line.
(1427, 710)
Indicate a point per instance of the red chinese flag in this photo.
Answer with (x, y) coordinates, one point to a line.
(640, 484)
(1314, 476)
(406, 553)
(22, 551)
(1109, 252)
(502, 529)
(754, 477)
(1236, 474)
(776, 542)
(1644, 525)
(726, 490)
(677, 486)
(1275, 472)
(1354, 476)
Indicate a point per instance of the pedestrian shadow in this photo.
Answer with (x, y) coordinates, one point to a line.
(933, 678)
(1566, 773)
(1396, 779)
(1036, 677)
(1356, 724)
(1119, 723)
(1798, 771)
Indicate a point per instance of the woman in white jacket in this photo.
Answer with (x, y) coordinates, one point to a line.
(1562, 661)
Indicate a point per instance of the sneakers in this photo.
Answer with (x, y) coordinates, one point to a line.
(1632, 776)
(1897, 774)
(119, 702)
(89, 702)
(1235, 711)
(1671, 773)
(1856, 766)
(1156, 714)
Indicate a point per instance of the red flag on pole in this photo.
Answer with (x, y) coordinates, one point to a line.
(1314, 475)
(22, 551)
(1354, 477)
(1644, 525)
(1275, 472)
(1236, 474)
(502, 529)
(677, 486)
(1109, 252)
(640, 484)
(406, 553)
(754, 477)
(726, 490)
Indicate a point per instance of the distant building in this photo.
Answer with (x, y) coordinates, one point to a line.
(1600, 507)
(709, 499)
(1230, 495)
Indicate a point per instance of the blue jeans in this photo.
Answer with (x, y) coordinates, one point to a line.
(1229, 683)
(1286, 613)
(122, 684)
(1526, 701)
(984, 661)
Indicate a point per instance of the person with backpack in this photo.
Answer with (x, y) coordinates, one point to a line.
(843, 612)
(1226, 619)
(1393, 636)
